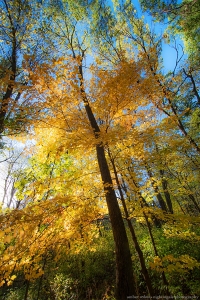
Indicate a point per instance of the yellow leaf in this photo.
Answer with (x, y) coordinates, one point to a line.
(13, 277)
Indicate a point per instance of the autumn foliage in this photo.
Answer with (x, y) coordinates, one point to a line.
(106, 203)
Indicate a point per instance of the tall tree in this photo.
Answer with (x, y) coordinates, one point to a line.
(20, 22)
(183, 19)
(98, 85)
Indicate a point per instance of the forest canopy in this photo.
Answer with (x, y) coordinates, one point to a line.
(99, 149)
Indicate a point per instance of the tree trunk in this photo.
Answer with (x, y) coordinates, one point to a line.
(6, 98)
(26, 291)
(134, 237)
(164, 279)
(124, 273)
(165, 92)
(166, 192)
(156, 189)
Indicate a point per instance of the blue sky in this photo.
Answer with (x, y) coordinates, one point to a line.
(169, 53)
(169, 56)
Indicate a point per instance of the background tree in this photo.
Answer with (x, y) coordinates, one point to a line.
(183, 19)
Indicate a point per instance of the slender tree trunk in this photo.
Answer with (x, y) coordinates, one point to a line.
(165, 185)
(41, 279)
(170, 102)
(191, 196)
(134, 238)
(164, 279)
(6, 98)
(26, 291)
(156, 221)
(156, 189)
(185, 213)
(166, 192)
(195, 90)
(124, 276)
(124, 273)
